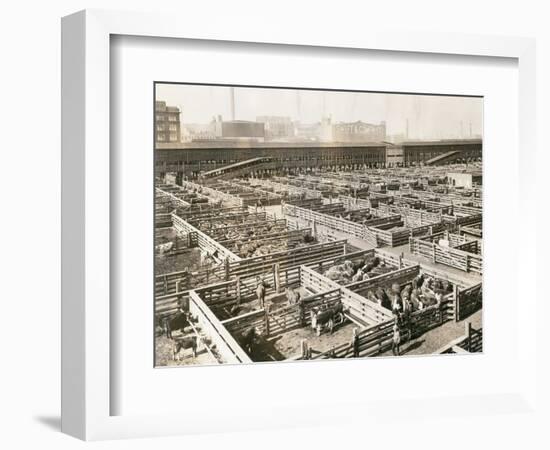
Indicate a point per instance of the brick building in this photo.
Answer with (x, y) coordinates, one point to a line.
(167, 123)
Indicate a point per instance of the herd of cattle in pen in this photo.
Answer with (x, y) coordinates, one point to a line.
(420, 293)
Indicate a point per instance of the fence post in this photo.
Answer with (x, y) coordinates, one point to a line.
(304, 347)
(457, 302)
(469, 334)
(355, 343)
(277, 278)
(301, 311)
(226, 264)
(467, 262)
(266, 320)
(238, 289)
(178, 286)
(433, 253)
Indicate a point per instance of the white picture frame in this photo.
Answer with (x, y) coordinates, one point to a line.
(86, 284)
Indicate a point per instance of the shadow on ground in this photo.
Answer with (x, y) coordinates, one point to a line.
(51, 422)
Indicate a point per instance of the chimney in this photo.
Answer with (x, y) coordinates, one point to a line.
(298, 105)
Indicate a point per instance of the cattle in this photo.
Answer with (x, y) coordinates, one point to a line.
(358, 276)
(327, 318)
(383, 297)
(418, 281)
(247, 339)
(260, 291)
(189, 342)
(176, 322)
(237, 310)
(164, 248)
(308, 238)
(293, 296)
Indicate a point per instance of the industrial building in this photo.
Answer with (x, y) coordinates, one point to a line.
(277, 127)
(352, 132)
(467, 180)
(189, 159)
(239, 130)
(167, 123)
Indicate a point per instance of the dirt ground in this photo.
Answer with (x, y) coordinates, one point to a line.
(163, 235)
(288, 344)
(168, 263)
(433, 340)
(274, 300)
(164, 352)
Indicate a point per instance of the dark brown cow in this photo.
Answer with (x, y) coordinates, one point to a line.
(247, 339)
(327, 318)
(185, 343)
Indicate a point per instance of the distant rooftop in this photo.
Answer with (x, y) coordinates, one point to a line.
(442, 142)
(207, 144)
(215, 143)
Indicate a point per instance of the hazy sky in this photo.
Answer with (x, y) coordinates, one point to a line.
(430, 117)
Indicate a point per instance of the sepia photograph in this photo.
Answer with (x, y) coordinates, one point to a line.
(297, 224)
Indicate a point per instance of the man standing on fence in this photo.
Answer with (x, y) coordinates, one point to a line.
(396, 340)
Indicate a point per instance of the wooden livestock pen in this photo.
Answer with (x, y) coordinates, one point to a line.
(225, 345)
(457, 251)
(352, 203)
(226, 311)
(204, 242)
(382, 262)
(398, 232)
(235, 309)
(469, 300)
(361, 311)
(173, 287)
(248, 196)
(471, 342)
(285, 190)
(213, 194)
(356, 225)
(473, 230)
(377, 339)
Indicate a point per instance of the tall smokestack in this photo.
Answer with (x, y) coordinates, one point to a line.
(298, 106)
(232, 103)
(407, 130)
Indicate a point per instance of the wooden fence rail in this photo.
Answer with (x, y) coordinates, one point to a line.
(469, 300)
(205, 242)
(173, 287)
(377, 339)
(452, 257)
(470, 342)
(226, 346)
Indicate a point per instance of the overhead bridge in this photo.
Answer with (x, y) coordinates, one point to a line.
(239, 168)
(442, 158)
